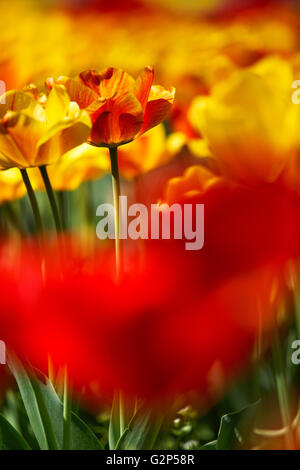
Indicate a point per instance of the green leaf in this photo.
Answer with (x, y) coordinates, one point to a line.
(121, 415)
(10, 439)
(114, 423)
(30, 401)
(210, 446)
(45, 413)
(82, 437)
(14, 412)
(142, 431)
(235, 427)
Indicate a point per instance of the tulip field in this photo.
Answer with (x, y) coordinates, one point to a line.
(150, 226)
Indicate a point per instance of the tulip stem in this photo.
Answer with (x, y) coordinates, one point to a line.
(67, 410)
(51, 197)
(113, 152)
(33, 201)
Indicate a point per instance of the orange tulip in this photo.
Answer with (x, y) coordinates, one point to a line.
(195, 181)
(120, 107)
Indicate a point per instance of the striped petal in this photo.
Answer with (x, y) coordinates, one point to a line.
(158, 107)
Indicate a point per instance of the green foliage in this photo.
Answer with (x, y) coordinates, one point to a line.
(142, 431)
(10, 439)
(235, 429)
(45, 413)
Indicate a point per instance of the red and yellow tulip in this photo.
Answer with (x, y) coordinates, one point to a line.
(120, 107)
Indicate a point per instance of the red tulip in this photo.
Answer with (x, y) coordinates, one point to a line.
(120, 107)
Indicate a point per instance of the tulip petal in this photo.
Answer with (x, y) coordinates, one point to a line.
(109, 82)
(91, 79)
(10, 154)
(143, 86)
(158, 107)
(20, 101)
(26, 133)
(63, 137)
(57, 104)
(83, 163)
(114, 81)
(118, 121)
(77, 91)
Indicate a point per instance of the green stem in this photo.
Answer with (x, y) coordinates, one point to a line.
(113, 152)
(282, 391)
(67, 408)
(62, 204)
(52, 200)
(33, 201)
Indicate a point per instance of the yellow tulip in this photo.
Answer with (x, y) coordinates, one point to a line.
(250, 122)
(36, 132)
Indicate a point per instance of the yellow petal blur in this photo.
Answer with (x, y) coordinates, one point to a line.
(250, 122)
(83, 163)
(144, 154)
(11, 185)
